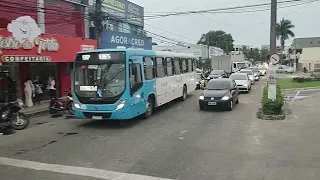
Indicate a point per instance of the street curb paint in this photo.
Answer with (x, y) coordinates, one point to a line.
(75, 170)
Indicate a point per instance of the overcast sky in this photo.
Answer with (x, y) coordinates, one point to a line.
(246, 28)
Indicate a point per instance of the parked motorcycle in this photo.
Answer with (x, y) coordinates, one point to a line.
(60, 104)
(11, 119)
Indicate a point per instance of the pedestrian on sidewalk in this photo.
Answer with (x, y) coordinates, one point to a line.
(28, 92)
(52, 87)
(38, 89)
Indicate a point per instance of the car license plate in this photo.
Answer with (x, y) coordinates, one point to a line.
(212, 103)
(96, 117)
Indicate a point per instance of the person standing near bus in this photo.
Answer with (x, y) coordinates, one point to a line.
(28, 92)
(38, 89)
(52, 87)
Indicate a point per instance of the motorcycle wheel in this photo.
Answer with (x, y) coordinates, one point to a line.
(70, 109)
(20, 123)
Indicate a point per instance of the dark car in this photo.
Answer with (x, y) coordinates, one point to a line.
(216, 74)
(219, 93)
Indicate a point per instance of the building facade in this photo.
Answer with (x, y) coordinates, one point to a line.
(123, 26)
(304, 52)
(200, 51)
(41, 38)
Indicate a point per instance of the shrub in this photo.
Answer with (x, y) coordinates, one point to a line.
(305, 79)
(272, 107)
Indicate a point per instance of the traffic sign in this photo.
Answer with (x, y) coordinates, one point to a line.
(272, 79)
(275, 58)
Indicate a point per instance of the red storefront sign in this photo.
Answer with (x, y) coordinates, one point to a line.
(42, 48)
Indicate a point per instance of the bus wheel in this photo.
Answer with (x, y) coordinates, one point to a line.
(184, 93)
(149, 108)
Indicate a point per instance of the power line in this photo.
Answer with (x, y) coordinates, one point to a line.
(225, 10)
(263, 22)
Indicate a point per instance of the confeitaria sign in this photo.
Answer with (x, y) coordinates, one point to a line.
(41, 44)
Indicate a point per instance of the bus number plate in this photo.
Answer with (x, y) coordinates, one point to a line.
(212, 103)
(97, 117)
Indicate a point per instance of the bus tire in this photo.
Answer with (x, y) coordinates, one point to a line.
(184, 93)
(149, 108)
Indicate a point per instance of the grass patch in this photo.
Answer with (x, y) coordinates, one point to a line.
(289, 83)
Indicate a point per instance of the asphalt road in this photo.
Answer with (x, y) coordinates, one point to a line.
(179, 142)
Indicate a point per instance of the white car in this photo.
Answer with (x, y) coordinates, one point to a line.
(242, 80)
(250, 74)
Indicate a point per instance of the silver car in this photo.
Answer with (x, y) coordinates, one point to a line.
(250, 74)
(242, 80)
(284, 69)
(256, 73)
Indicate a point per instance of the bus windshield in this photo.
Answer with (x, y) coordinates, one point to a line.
(100, 75)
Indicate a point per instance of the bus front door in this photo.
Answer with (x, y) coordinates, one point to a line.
(138, 103)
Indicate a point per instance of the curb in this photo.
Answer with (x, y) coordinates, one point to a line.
(37, 113)
(302, 89)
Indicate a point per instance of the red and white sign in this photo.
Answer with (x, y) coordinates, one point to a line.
(23, 42)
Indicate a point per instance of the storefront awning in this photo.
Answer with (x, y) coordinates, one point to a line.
(22, 47)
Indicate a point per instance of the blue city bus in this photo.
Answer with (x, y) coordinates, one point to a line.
(120, 84)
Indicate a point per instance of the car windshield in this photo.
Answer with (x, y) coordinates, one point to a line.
(218, 85)
(247, 72)
(99, 79)
(239, 77)
(215, 72)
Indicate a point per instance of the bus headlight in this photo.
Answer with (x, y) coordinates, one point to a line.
(76, 105)
(121, 105)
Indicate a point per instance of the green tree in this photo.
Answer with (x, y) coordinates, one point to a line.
(219, 39)
(284, 31)
(252, 53)
(264, 55)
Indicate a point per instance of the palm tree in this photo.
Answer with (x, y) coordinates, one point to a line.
(284, 31)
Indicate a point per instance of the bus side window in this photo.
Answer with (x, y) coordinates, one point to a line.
(148, 68)
(184, 65)
(189, 65)
(177, 66)
(160, 68)
(169, 66)
(193, 65)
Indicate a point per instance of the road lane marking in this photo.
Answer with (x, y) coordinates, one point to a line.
(74, 170)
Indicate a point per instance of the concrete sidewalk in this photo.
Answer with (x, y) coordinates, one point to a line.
(37, 109)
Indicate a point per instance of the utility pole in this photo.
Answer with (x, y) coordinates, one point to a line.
(274, 57)
(273, 27)
(98, 21)
(208, 47)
